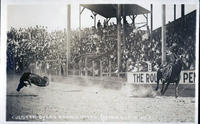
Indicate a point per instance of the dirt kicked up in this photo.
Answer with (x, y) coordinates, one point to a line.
(76, 99)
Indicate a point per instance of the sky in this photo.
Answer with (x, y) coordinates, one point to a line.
(55, 16)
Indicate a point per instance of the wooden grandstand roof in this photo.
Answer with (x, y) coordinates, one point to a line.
(110, 10)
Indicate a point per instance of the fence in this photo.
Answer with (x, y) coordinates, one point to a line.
(58, 68)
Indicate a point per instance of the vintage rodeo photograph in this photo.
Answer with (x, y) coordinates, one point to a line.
(101, 62)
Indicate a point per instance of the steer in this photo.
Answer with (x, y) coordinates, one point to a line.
(32, 78)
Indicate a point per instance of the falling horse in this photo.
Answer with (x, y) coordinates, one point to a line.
(32, 78)
(170, 74)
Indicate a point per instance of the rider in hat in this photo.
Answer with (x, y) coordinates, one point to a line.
(171, 58)
(171, 54)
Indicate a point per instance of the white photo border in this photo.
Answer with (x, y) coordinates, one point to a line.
(5, 3)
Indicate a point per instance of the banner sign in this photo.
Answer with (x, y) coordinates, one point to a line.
(187, 77)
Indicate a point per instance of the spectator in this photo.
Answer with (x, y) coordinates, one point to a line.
(98, 24)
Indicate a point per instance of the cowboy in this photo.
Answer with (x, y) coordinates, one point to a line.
(171, 55)
(170, 61)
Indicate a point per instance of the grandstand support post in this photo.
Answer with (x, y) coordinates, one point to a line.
(147, 22)
(124, 23)
(79, 34)
(182, 10)
(79, 17)
(118, 37)
(92, 68)
(79, 22)
(163, 34)
(69, 29)
(151, 17)
(100, 68)
(68, 35)
(183, 13)
(174, 12)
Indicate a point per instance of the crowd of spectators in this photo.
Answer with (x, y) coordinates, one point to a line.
(139, 49)
(28, 46)
(183, 33)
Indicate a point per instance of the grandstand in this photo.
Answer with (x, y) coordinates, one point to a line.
(138, 48)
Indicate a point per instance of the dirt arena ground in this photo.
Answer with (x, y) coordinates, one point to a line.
(77, 99)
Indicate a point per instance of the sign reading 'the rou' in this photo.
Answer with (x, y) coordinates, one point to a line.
(187, 77)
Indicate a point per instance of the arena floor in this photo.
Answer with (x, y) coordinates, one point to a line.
(77, 99)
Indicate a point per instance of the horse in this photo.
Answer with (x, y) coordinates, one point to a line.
(170, 74)
(32, 78)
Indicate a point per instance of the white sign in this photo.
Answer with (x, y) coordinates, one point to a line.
(187, 77)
